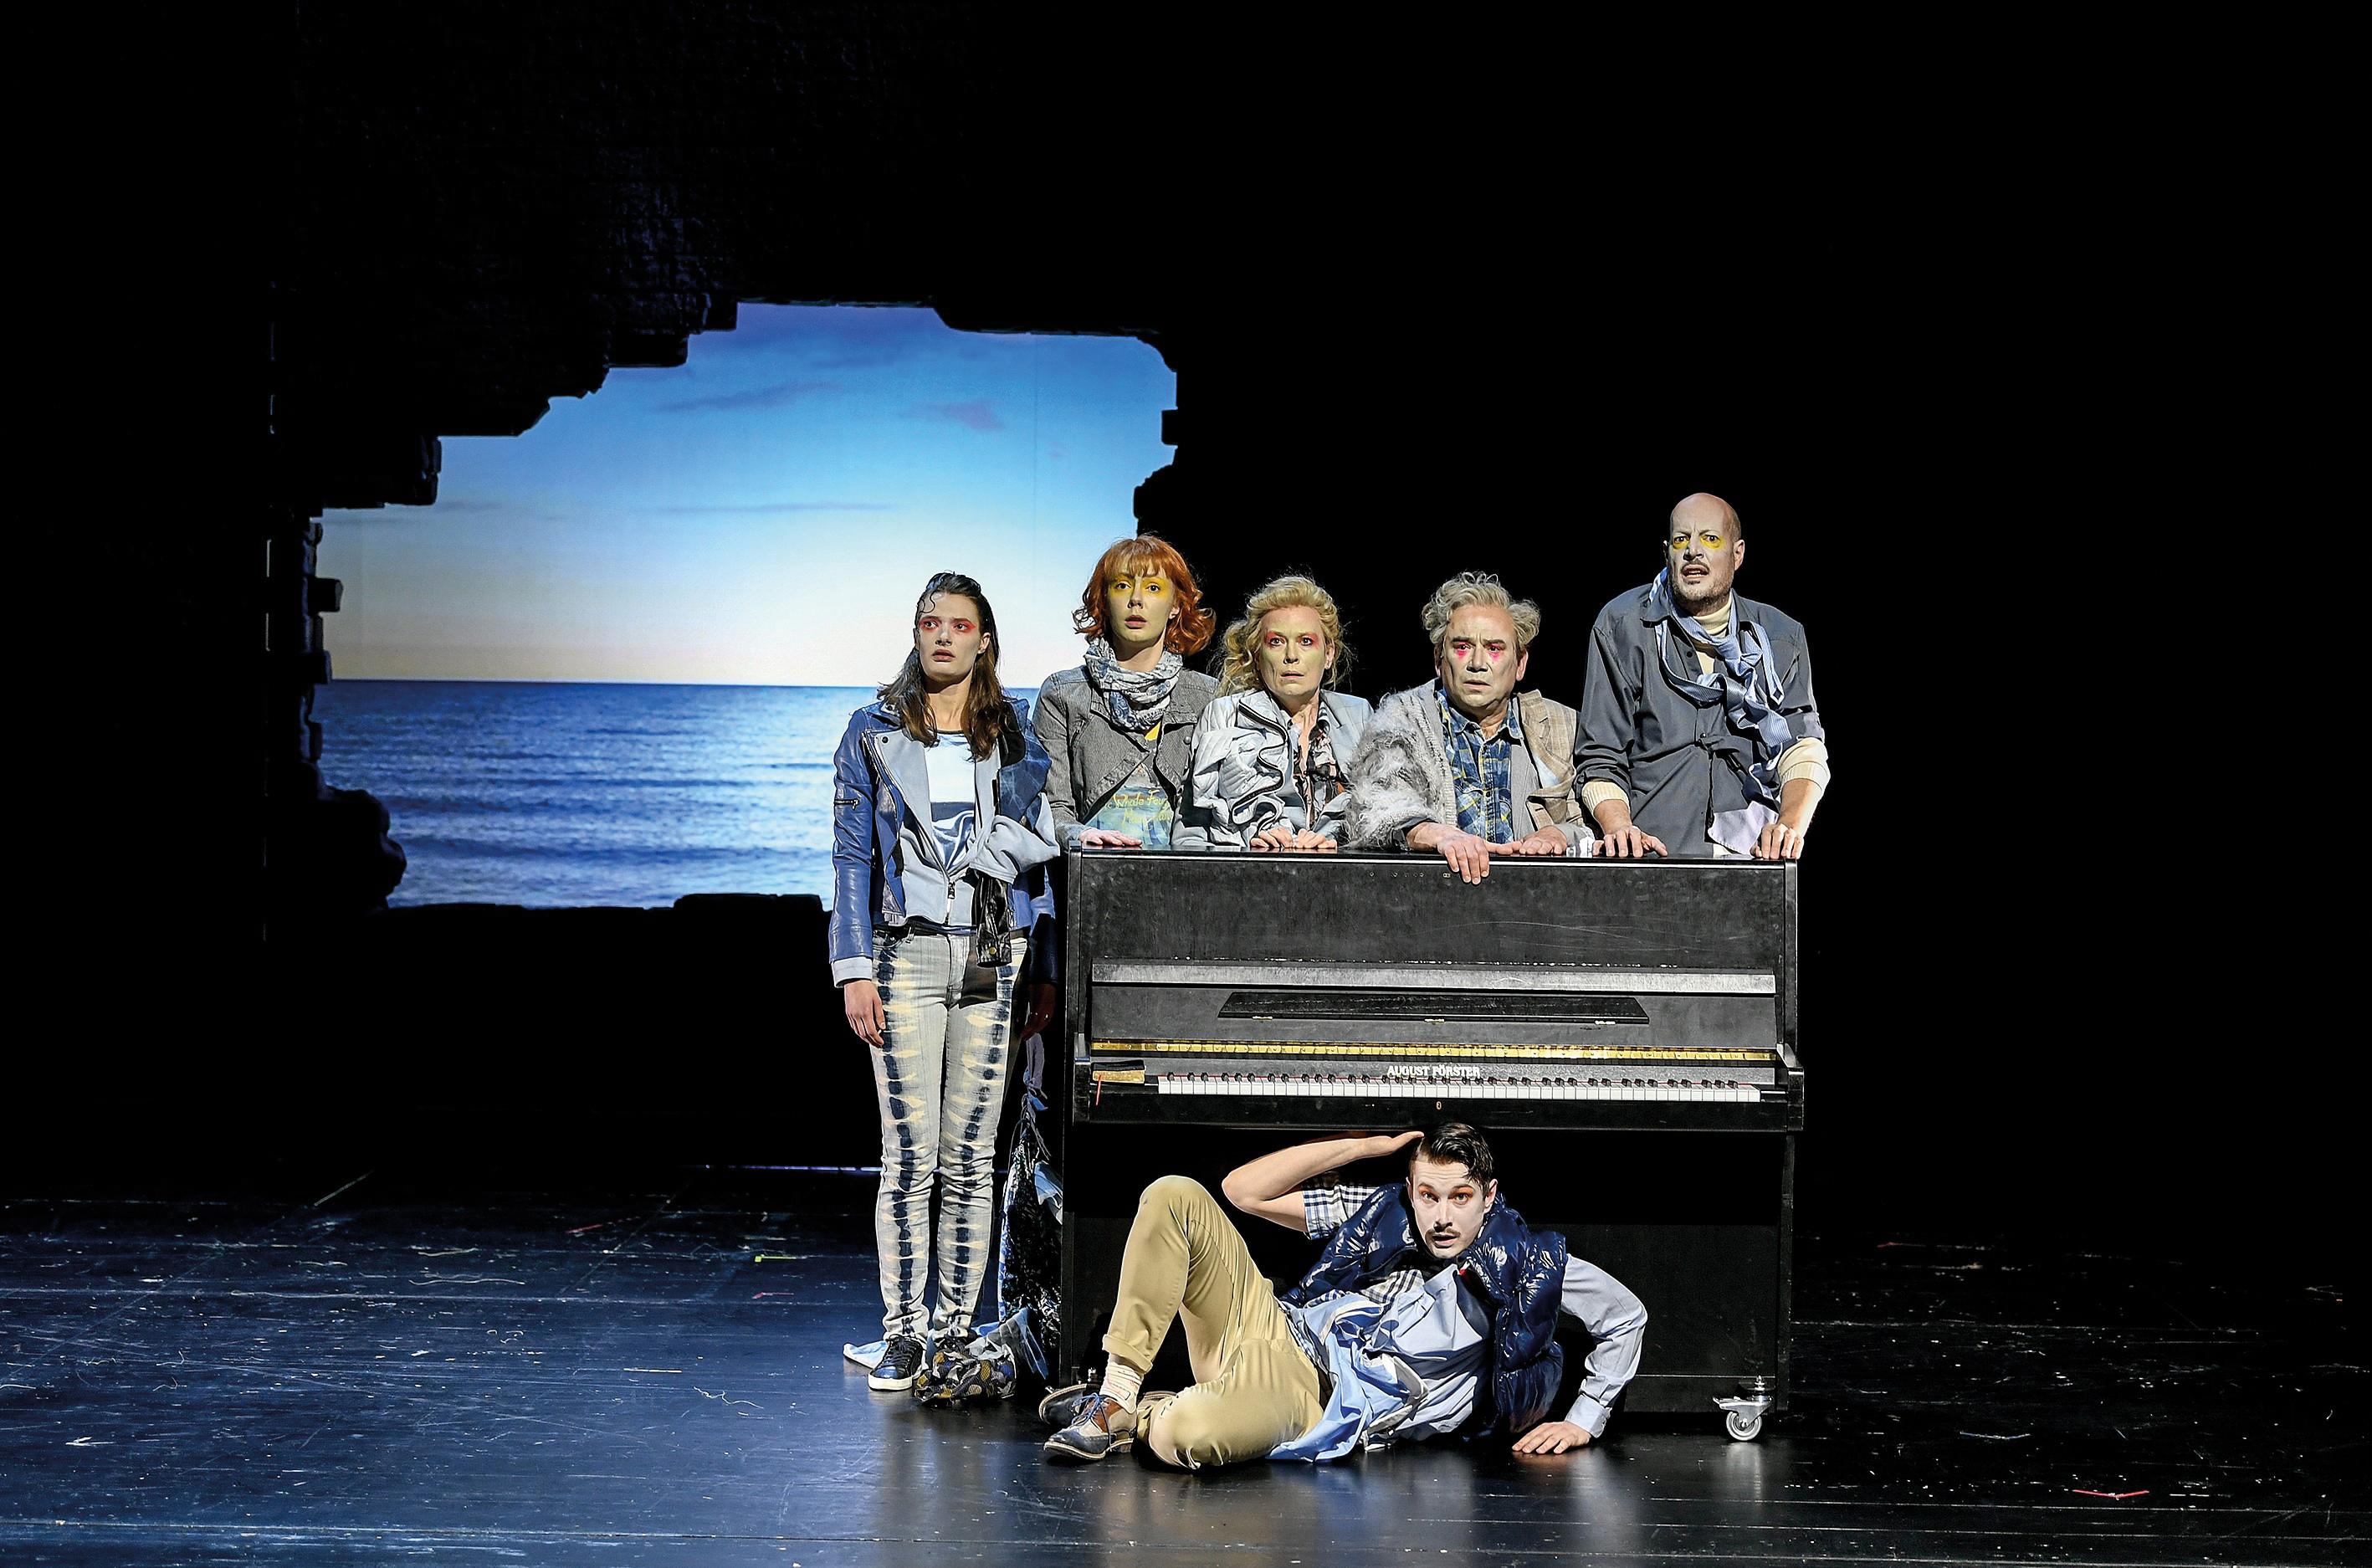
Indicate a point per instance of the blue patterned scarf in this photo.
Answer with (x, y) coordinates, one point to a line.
(1137, 698)
(1748, 689)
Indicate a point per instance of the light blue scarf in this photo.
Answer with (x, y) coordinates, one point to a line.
(1747, 686)
(1136, 698)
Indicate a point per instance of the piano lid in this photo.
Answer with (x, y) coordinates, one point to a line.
(1724, 916)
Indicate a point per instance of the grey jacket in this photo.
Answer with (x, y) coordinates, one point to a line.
(1401, 776)
(1676, 759)
(1092, 756)
(1243, 769)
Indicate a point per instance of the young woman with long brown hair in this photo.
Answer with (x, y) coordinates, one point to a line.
(941, 828)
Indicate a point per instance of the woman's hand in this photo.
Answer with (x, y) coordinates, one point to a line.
(1104, 838)
(1285, 837)
(862, 1000)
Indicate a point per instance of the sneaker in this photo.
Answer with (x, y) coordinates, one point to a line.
(1103, 1426)
(900, 1361)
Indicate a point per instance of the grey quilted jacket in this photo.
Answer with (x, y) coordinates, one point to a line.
(1400, 776)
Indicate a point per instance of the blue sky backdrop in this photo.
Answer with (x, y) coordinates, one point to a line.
(766, 513)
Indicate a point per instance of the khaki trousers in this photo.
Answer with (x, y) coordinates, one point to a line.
(1253, 1387)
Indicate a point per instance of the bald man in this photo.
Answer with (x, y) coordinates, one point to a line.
(1699, 736)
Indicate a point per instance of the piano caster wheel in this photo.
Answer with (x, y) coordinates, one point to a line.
(1742, 1417)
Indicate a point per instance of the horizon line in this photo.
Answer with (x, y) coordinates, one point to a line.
(554, 680)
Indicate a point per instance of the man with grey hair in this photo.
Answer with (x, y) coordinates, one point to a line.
(1699, 735)
(1465, 766)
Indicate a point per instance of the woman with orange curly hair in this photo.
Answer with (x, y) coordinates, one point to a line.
(1120, 728)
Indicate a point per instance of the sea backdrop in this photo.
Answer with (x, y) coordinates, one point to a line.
(549, 794)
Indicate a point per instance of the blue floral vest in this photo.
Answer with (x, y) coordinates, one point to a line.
(1518, 1271)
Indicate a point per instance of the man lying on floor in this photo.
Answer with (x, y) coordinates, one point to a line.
(1432, 1311)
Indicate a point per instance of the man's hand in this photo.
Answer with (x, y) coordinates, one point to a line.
(1552, 1437)
(1104, 838)
(862, 1000)
(1375, 1146)
(1780, 842)
(1548, 841)
(1042, 1009)
(1468, 854)
(1627, 842)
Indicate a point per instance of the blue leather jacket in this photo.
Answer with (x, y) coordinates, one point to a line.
(1516, 1271)
(885, 857)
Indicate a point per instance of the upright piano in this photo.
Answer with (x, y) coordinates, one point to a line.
(1623, 1031)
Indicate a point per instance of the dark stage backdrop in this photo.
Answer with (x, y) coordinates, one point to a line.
(1499, 326)
(1993, 1043)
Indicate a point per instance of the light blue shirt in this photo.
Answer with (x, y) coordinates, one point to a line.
(1405, 1356)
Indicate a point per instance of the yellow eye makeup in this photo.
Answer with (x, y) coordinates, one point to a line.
(1711, 541)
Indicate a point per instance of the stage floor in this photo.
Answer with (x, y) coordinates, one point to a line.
(647, 1369)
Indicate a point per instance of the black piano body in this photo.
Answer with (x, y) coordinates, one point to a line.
(1623, 1030)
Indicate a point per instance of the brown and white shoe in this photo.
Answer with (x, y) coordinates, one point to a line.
(1104, 1425)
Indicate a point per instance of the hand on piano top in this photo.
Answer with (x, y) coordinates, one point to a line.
(1284, 836)
(1469, 855)
(1627, 842)
(1104, 838)
(1548, 841)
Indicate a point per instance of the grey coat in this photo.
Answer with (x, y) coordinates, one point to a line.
(1092, 756)
(1677, 758)
(1401, 776)
(1243, 769)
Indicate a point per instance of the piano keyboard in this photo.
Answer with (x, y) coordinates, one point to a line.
(1644, 1057)
(1334, 1085)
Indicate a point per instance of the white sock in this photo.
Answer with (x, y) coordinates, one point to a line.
(1122, 1381)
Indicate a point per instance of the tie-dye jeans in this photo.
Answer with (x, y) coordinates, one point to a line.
(940, 1074)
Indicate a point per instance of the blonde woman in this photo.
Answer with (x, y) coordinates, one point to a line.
(1270, 750)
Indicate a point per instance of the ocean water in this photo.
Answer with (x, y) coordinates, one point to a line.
(527, 793)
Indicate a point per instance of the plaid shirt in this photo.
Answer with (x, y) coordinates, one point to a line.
(1478, 766)
(1326, 1203)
